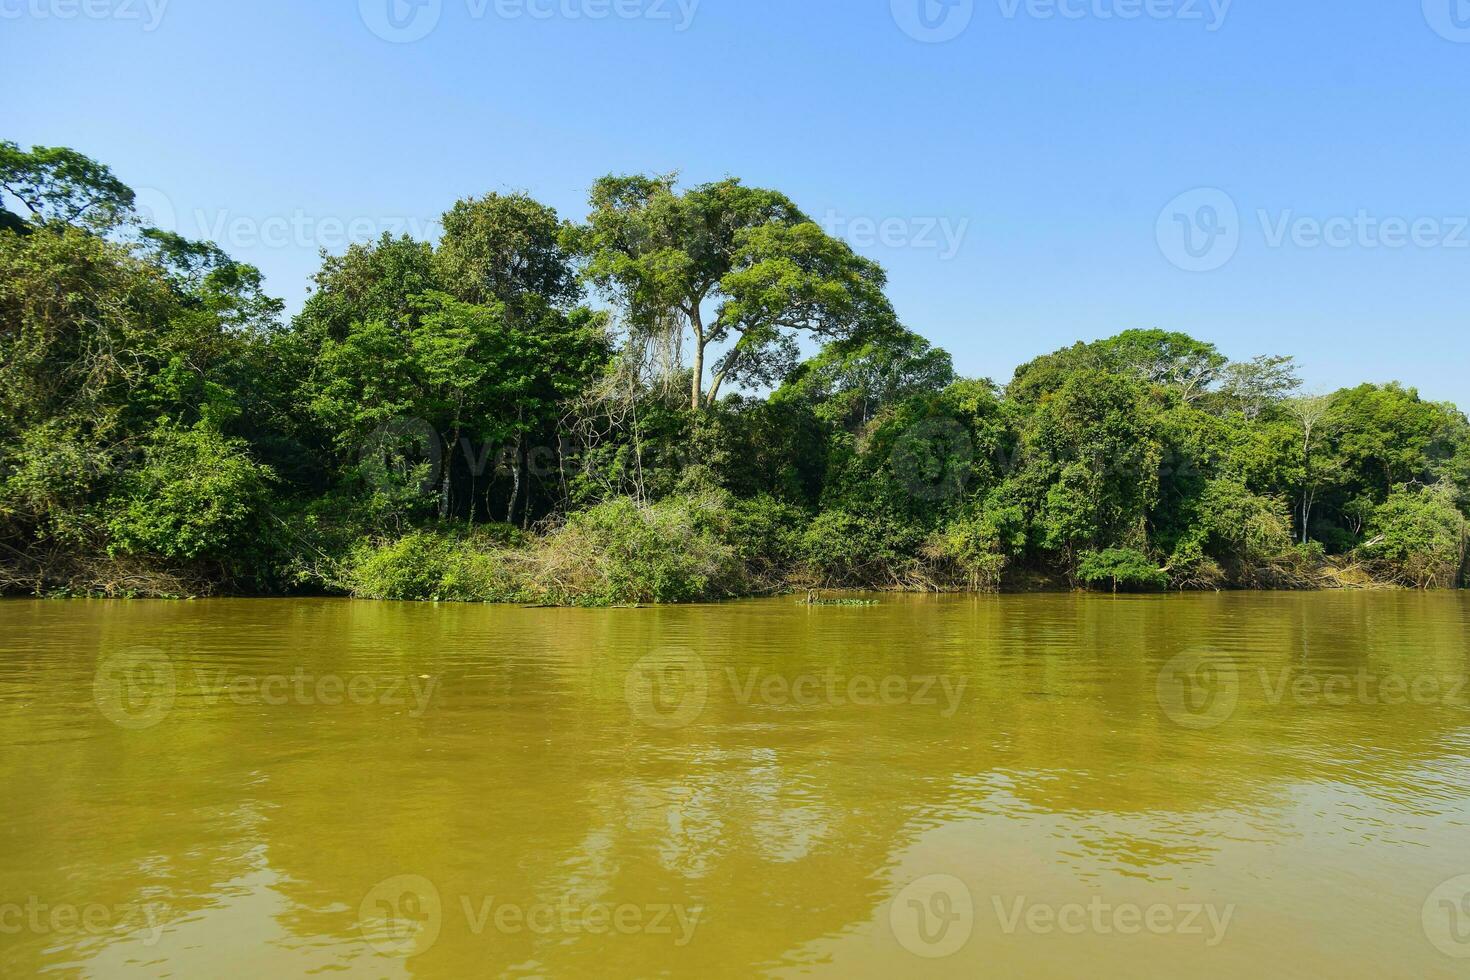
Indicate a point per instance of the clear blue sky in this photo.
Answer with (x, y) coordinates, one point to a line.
(1049, 138)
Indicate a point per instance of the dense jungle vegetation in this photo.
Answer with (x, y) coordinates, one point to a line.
(693, 393)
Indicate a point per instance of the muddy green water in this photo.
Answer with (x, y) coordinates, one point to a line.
(1028, 786)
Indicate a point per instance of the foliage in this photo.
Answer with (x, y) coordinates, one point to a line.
(436, 565)
(1124, 568)
(981, 541)
(849, 548)
(770, 274)
(1420, 538)
(1156, 357)
(623, 552)
(617, 553)
(450, 420)
(505, 248)
(196, 494)
(766, 535)
(1092, 457)
(56, 184)
(1233, 535)
(851, 380)
(1253, 387)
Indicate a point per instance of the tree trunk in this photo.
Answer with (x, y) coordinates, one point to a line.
(526, 502)
(697, 323)
(1309, 424)
(515, 485)
(1309, 498)
(714, 388)
(447, 479)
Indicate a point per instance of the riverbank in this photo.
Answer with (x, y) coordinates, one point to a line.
(456, 420)
(688, 549)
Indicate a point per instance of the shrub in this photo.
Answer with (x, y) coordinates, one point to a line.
(413, 567)
(47, 474)
(851, 549)
(1309, 553)
(429, 565)
(1233, 535)
(617, 553)
(622, 552)
(766, 534)
(1419, 538)
(1123, 567)
(196, 495)
(980, 542)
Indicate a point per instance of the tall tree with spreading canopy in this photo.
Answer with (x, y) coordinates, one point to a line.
(504, 248)
(850, 380)
(768, 272)
(54, 183)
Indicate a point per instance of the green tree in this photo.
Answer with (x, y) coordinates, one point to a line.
(850, 380)
(1253, 387)
(1161, 357)
(1155, 357)
(377, 281)
(1123, 567)
(1387, 435)
(54, 183)
(665, 257)
(1091, 463)
(505, 248)
(1420, 538)
(130, 387)
(1318, 466)
(196, 495)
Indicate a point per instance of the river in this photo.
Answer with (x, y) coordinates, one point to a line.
(1019, 786)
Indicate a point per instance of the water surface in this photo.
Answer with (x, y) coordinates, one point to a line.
(1021, 786)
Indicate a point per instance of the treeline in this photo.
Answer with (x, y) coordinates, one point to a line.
(543, 411)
